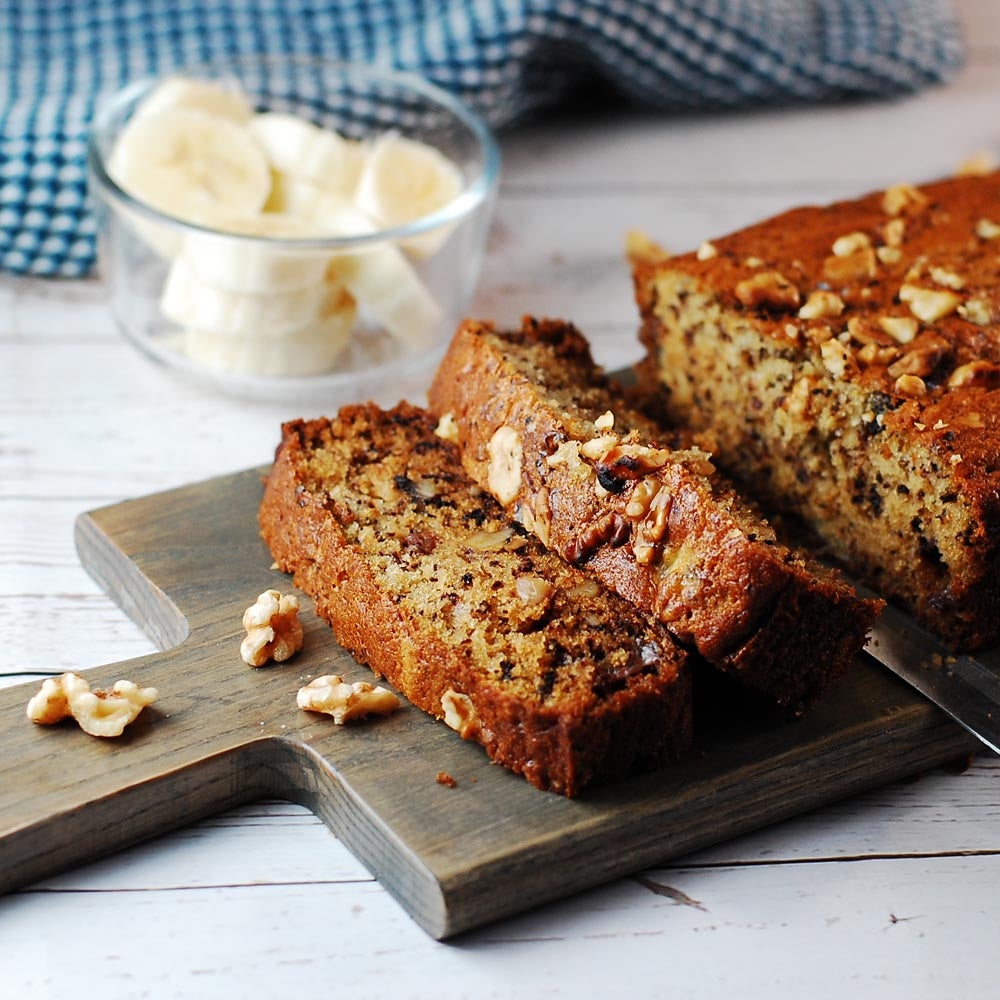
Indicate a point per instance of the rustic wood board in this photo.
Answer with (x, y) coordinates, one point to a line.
(186, 563)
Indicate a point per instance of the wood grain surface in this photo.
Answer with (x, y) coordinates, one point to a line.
(186, 563)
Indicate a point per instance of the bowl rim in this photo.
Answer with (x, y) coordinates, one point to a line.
(482, 187)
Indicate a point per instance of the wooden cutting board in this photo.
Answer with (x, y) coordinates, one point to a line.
(186, 563)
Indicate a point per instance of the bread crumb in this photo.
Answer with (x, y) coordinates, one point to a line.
(444, 778)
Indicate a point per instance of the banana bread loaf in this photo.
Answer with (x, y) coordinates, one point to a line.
(552, 439)
(425, 579)
(847, 361)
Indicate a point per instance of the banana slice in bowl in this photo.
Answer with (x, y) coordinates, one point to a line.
(352, 248)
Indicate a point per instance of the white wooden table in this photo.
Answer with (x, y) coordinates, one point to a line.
(890, 894)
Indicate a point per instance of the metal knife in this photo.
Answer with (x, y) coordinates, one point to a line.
(966, 687)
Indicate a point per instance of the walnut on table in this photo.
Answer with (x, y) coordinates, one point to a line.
(274, 631)
(99, 713)
(332, 695)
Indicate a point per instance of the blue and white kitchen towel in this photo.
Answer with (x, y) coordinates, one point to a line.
(507, 58)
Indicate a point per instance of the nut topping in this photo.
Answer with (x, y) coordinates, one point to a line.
(845, 246)
(611, 529)
(928, 304)
(976, 373)
(769, 289)
(822, 305)
(902, 329)
(910, 385)
(987, 229)
(901, 197)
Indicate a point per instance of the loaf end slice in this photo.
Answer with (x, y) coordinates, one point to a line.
(642, 510)
(846, 359)
(424, 579)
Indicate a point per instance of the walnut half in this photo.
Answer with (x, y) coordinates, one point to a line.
(98, 713)
(333, 696)
(274, 631)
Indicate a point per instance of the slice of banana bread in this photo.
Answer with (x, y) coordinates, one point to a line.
(847, 360)
(549, 436)
(425, 579)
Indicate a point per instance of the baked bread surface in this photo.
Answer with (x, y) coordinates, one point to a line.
(424, 579)
(847, 361)
(642, 511)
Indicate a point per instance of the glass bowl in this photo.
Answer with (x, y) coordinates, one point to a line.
(237, 310)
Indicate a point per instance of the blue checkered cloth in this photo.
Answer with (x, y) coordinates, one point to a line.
(507, 58)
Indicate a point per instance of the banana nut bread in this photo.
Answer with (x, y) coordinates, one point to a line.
(847, 361)
(425, 579)
(644, 512)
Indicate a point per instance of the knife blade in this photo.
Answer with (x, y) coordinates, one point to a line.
(967, 687)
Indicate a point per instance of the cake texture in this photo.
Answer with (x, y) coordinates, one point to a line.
(847, 361)
(642, 510)
(424, 578)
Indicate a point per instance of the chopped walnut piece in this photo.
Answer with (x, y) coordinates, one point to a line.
(978, 373)
(98, 713)
(889, 255)
(447, 428)
(894, 231)
(504, 471)
(872, 354)
(707, 251)
(910, 385)
(640, 248)
(274, 631)
(979, 311)
(987, 229)
(954, 459)
(835, 357)
(858, 266)
(920, 361)
(598, 447)
(460, 714)
(851, 243)
(928, 304)
(605, 421)
(946, 278)
(822, 305)
(901, 197)
(333, 696)
(902, 329)
(769, 289)
(977, 165)
(753, 262)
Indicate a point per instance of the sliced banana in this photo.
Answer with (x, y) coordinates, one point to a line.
(192, 302)
(381, 278)
(191, 165)
(313, 350)
(239, 265)
(302, 150)
(211, 96)
(404, 180)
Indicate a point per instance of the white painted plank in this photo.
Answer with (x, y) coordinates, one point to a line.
(921, 927)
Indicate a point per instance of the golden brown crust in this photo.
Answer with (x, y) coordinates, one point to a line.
(871, 407)
(424, 579)
(645, 517)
